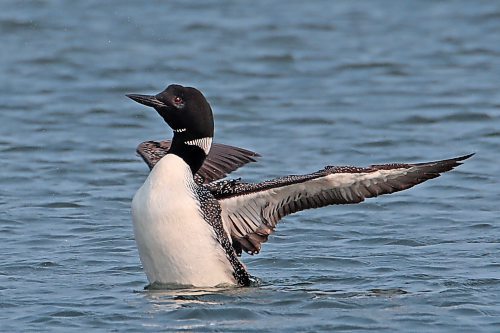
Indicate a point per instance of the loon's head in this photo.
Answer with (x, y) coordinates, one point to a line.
(188, 113)
(184, 109)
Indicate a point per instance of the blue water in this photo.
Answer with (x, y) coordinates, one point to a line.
(305, 84)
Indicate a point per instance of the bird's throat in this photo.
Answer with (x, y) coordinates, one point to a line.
(192, 150)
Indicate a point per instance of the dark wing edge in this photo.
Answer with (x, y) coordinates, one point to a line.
(251, 212)
(221, 160)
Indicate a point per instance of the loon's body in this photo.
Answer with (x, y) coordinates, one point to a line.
(191, 228)
(175, 242)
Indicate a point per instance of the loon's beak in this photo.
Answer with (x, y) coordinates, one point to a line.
(147, 100)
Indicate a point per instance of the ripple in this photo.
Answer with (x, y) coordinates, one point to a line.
(309, 121)
(483, 282)
(378, 143)
(387, 292)
(369, 65)
(406, 242)
(61, 204)
(318, 26)
(482, 226)
(47, 264)
(332, 304)
(16, 25)
(491, 134)
(68, 313)
(467, 116)
(22, 149)
(214, 314)
(279, 58)
(415, 120)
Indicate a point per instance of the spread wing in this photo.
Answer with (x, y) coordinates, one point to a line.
(221, 160)
(250, 212)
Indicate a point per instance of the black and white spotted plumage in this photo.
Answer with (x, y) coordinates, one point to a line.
(212, 213)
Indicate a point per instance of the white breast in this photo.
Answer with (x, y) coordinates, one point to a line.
(176, 245)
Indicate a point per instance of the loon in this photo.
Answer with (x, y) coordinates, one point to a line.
(191, 227)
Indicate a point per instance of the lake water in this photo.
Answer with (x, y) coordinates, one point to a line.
(305, 84)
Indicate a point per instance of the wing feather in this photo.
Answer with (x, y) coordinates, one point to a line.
(250, 212)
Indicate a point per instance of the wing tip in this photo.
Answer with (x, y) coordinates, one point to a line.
(436, 168)
(450, 161)
(454, 162)
(464, 157)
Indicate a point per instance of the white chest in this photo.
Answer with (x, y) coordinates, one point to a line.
(176, 245)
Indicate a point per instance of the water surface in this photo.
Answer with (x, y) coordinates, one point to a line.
(305, 84)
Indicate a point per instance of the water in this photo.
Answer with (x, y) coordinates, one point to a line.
(305, 84)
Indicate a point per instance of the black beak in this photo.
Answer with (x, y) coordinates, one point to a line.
(147, 100)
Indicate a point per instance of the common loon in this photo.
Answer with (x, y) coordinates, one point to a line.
(191, 227)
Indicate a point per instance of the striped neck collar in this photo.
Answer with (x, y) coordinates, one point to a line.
(192, 150)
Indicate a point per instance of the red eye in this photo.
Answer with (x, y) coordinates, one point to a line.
(178, 100)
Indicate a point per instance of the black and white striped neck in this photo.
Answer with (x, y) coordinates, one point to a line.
(193, 150)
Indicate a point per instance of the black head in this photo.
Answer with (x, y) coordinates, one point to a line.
(184, 109)
(188, 113)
